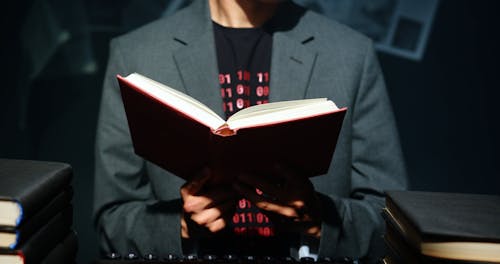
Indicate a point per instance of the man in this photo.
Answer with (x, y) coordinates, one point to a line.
(275, 51)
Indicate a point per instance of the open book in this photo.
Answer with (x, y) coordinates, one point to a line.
(182, 135)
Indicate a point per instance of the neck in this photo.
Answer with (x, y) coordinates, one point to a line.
(241, 13)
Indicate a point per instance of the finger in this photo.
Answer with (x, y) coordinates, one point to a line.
(210, 215)
(216, 225)
(212, 198)
(206, 216)
(195, 204)
(264, 203)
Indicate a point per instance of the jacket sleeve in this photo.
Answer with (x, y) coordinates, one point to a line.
(127, 215)
(353, 225)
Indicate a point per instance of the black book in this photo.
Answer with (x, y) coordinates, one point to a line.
(400, 252)
(454, 226)
(38, 246)
(10, 236)
(27, 185)
(64, 252)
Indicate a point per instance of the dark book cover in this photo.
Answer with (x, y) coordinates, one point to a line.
(31, 184)
(34, 223)
(446, 225)
(448, 216)
(399, 251)
(182, 145)
(64, 252)
(45, 239)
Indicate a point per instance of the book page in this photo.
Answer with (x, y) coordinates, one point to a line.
(178, 100)
(11, 213)
(262, 108)
(280, 112)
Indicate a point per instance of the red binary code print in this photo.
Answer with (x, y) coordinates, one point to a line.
(239, 90)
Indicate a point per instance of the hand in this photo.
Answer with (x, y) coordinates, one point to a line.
(288, 196)
(205, 205)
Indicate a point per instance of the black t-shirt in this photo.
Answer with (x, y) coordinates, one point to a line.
(244, 62)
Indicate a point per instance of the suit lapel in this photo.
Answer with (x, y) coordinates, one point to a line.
(197, 64)
(292, 64)
(196, 59)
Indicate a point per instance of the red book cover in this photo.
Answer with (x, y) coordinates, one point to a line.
(181, 144)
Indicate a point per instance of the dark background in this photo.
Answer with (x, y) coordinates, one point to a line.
(445, 104)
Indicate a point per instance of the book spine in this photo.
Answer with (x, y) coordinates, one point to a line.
(224, 131)
(220, 159)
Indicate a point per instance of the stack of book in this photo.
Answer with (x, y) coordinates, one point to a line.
(36, 212)
(434, 227)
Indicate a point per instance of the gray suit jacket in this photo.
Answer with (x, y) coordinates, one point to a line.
(137, 204)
